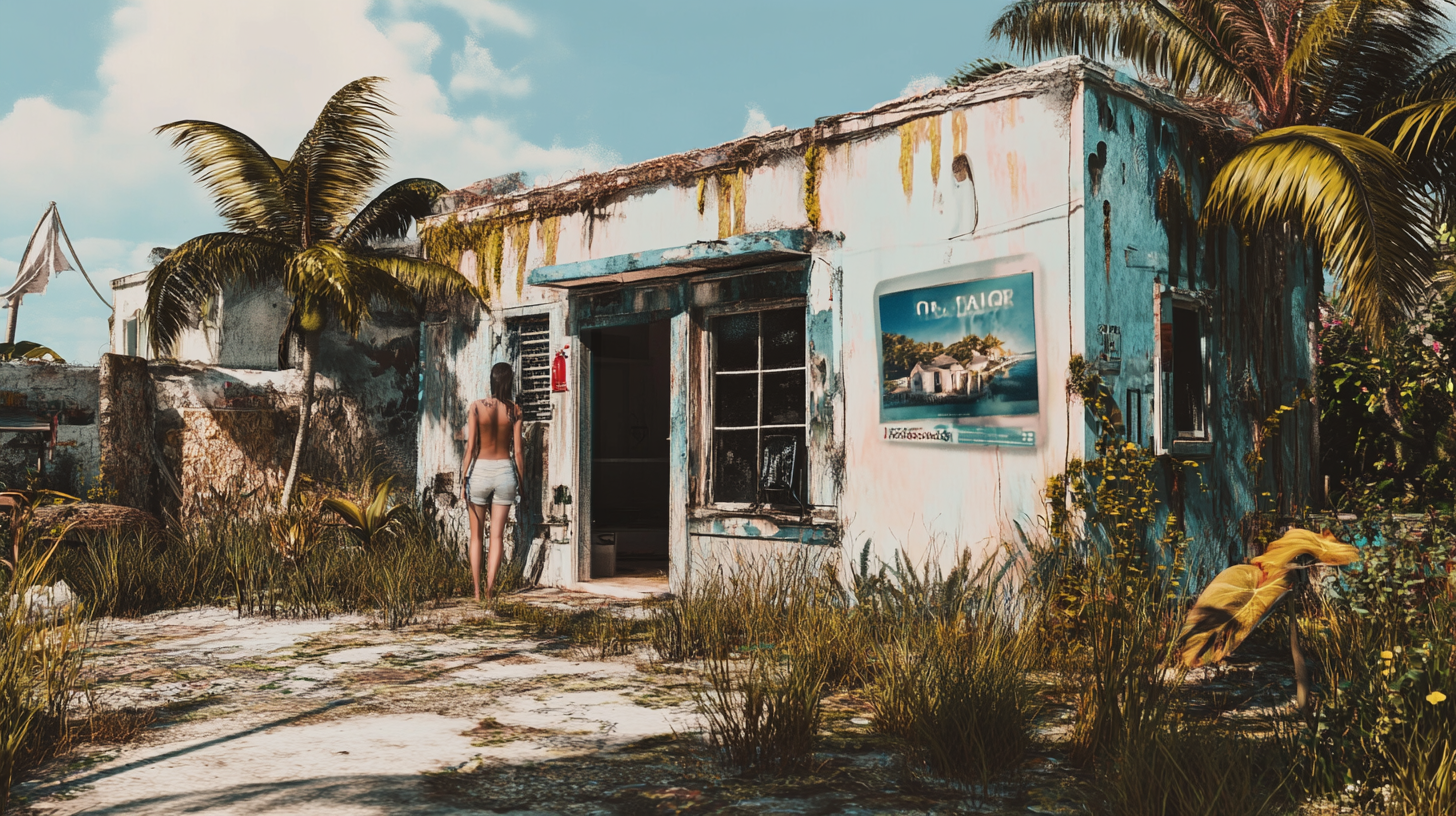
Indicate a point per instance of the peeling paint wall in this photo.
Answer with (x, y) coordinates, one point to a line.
(1147, 183)
(886, 193)
(72, 393)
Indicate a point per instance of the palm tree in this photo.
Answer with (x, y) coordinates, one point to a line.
(1323, 93)
(302, 224)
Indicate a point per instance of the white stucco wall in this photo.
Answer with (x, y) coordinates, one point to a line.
(886, 186)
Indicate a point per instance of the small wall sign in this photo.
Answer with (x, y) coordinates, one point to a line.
(981, 435)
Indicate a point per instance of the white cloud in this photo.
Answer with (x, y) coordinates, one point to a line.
(277, 66)
(475, 71)
(478, 14)
(921, 84)
(756, 123)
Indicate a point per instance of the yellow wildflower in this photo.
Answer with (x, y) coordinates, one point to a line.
(1435, 697)
(1387, 654)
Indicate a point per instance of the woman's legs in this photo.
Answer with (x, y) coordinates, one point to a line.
(498, 514)
(477, 528)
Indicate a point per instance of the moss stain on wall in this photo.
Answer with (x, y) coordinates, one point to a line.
(813, 162)
(548, 230)
(932, 126)
(520, 243)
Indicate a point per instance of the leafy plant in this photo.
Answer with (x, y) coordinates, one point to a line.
(1240, 597)
(19, 505)
(367, 522)
(306, 225)
(26, 350)
(1324, 92)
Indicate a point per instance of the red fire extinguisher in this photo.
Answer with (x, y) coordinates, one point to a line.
(558, 370)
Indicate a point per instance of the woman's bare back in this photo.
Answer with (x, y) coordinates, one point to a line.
(494, 422)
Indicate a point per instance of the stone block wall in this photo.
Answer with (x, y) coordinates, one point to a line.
(68, 392)
(125, 433)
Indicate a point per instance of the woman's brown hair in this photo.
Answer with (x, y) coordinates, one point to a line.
(502, 381)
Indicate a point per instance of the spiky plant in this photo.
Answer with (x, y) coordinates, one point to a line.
(1326, 92)
(305, 224)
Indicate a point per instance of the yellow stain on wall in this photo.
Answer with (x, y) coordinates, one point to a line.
(932, 125)
(732, 202)
(725, 205)
(740, 202)
(520, 242)
(957, 133)
(907, 158)
(547, 229)
(495, 258)
(702, 197)
(813, 162)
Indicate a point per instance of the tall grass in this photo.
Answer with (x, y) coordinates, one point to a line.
(297, 564)
(40, 666)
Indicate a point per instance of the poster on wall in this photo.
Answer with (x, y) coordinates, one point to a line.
(959, 349)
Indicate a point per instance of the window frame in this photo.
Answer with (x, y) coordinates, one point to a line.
(702, 412)
(1167, 436)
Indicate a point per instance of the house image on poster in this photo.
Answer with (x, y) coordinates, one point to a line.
(706, 307)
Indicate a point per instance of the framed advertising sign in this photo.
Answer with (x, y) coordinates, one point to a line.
(959, 343)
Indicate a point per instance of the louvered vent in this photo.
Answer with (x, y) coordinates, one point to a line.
(530, 339)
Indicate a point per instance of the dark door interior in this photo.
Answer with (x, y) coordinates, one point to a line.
(631, 381)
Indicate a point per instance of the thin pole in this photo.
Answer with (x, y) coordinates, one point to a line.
(10, 331)
(14, 304)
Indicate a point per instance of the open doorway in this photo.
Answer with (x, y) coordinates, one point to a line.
(631, 430)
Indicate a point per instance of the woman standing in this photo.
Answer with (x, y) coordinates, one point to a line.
(491, 470)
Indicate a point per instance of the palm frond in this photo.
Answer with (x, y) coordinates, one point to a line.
(245, 182)
(1373, 60)
(975, 71)
(391, 213)
(426, 278)
(339, 160)
(199, 269)
(1146, 33)
(1414, 121)
(325, 279)
(1349, 192)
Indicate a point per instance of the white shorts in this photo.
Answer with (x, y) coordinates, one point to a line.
(491, 481)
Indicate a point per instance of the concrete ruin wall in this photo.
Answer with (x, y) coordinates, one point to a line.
(233, 429)
(52, 388)
(124, 426)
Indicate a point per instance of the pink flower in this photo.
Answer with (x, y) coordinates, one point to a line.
(1436, 346)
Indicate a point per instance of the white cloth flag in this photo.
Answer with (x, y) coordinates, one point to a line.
(43, 258)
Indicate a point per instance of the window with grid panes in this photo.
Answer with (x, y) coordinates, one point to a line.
(759, 390)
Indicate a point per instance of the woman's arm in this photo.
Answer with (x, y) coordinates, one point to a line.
(470, 443)
(516, 448)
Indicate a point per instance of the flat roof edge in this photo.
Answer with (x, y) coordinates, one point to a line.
(735, 251)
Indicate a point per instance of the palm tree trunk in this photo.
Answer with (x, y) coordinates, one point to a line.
(305, 411)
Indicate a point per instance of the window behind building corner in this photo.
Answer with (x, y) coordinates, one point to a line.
(759, 391)
(528, 347)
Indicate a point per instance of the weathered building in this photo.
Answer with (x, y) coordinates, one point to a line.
(740, 326)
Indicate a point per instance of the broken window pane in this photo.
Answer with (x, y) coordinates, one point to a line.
(735, 342)
(783, 398)
(759, 388)
(783, 338)
(735, 400)
(735, 465)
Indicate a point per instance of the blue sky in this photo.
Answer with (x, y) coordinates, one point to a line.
(481, 88)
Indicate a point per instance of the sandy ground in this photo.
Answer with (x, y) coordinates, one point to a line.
(459, 714)
(338, 716)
